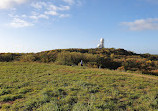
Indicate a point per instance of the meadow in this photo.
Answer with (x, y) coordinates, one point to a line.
(34, 86)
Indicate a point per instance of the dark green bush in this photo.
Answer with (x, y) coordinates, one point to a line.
(7, 57)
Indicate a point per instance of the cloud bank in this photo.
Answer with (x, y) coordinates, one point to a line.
(142, 24)
(71, 2)
(18, 23)
(37, 10)
(5, 4)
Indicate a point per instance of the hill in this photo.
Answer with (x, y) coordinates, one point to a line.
(105, 58)
(49, 87)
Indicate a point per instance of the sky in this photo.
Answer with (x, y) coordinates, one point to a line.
(40, 25)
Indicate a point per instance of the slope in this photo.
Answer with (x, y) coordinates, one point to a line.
(41, 86)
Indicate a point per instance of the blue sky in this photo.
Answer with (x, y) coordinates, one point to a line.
(39, 25)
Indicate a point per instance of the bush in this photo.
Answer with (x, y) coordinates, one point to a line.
(106, 62)
(28, 58)
(7, 57)
(65, 58)
(90, 60)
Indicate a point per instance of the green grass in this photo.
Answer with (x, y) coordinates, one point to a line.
(49, 87)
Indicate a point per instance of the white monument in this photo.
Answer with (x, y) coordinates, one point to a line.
(101, 44)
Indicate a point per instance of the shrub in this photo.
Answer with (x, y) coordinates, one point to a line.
(91, 60)
(64, 58)
(28, 58)
(122, 68)
(7, 57)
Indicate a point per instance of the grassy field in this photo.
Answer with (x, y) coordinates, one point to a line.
(49, 87)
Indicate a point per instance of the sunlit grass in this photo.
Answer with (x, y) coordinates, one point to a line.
(49, 87)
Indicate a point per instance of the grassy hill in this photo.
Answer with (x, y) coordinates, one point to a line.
(49, 87)
(106, 58)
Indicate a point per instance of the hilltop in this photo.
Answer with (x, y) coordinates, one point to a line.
(110, 58)
(104, 51)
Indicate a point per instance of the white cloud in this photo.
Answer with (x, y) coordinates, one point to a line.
(63, 8)
(56, 8)
(39, 5)
(19, 23)
(54, 13)
(37, 16)
(142, 24)
(24, 16)
(6, 4)
(49, 9)
(71, 2)
(74, 2)
(38, 9)
(53, 10)
(64, 15)
(43, 16)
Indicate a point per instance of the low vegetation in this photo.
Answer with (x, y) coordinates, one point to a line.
(49, 87)
(106, 58)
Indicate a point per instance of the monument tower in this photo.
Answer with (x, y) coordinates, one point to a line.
(101, 44)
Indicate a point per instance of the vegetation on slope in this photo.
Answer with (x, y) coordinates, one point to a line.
(49, 87)
(106, 58)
